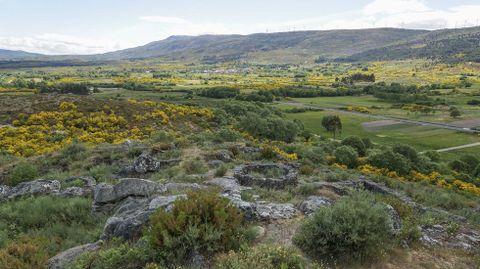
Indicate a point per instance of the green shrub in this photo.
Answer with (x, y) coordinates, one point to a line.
(116, 255)
(390, 160)
(22, 172)
(221, 170)
(195, 166)
(346, 155)
(24, 253)
(459, 166)
(356, 143)
(407, 151)
(471, 161)
(433, 155)
(204, 223)
(355, 229)
(261, 257)
(66, 221)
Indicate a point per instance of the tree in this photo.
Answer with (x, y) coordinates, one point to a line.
(332, 124)
(454, 112)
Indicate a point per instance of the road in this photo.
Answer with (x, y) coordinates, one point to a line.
(381, 117)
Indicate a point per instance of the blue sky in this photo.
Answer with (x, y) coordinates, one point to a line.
(94, 26)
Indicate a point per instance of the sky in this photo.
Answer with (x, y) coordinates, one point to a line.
(97, 26)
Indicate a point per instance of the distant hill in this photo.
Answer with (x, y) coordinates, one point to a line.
(447, 45)
(287, 47)
(267, 47)
(16, 54)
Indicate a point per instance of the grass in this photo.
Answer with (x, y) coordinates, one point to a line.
(420, 137)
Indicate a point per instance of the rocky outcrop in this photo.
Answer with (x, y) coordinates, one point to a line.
(261, 210)
(146, 163)
(61, 260)
(437, 235)
(244, 175)
(395, 217)
(105, 195)
(223, 155)
(75, 192)
(313, 203)
(133, 213)
(36, 187)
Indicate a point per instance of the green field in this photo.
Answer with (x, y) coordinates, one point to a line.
(421, 137)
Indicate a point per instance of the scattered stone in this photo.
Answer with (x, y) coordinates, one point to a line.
(313, 203)
(223, 155)
(36, 187)
(437, 236)
(75, 192)
(182, 187)
(68, 256)
(215, 163)
(146, 163)
(261, 210)
(228, 184)
(273, 211)
(243, 174)
(248, 150)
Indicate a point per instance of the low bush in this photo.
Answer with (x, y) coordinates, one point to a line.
(390, 160)
(346, 155)
(195, 166)
(23, 171)
(261, 257)
(355, 229)
(67, 222)
(204, 222)
(24, 253)
(115, 255)
(356, 143)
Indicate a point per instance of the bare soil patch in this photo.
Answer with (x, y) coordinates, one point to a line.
(467, 123)
(379, 123)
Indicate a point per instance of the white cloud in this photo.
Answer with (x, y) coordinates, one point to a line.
(394, 7)
(52, 43)
(164, 19)
(415, 14)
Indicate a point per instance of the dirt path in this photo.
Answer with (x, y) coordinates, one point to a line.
(459, 147)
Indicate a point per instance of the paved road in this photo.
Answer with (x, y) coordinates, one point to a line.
(459, 147)
(380, 117)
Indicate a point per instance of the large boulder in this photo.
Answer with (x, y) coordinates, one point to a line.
(36, 187)
(133, 213)
(258, 175)
(61, 260)
(105, 194)
(313, 203)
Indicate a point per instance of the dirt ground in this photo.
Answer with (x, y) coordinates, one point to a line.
(379, 123)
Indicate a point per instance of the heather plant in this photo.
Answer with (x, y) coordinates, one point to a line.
(202, 223)
(355, 229)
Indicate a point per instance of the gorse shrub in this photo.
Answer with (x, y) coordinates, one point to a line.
(204, 222)
(355, 229)
(261, 257)
(23, 171)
